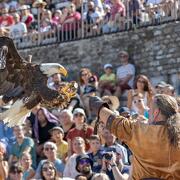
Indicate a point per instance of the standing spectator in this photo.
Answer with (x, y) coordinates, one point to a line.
(151, 144)
(23, 144)
(57, 17)
(44, 121)
(78, 145)
(107, 81)
(81, 129)
(26, 16)
(26, 162)
(18, 29)
(5, 18)
(57, 135)
(3, 163)
(70, 23)
(142, 85)
(66, 121)
(125, 74)
(50, 152)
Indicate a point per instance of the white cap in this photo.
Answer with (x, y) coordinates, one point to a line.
(79, 110)
(108, 66)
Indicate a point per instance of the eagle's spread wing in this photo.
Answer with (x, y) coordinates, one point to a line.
(26, 84)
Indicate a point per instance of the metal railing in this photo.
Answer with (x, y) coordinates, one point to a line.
(156, 15)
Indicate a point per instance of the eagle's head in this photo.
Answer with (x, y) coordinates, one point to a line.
(52, 68)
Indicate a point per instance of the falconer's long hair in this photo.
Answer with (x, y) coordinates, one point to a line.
(169, 108)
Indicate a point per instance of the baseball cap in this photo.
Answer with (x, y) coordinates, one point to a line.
(81, 157)
(79, 111)
(108, 66)
(161, 84)
(89, 89)
(124, 109)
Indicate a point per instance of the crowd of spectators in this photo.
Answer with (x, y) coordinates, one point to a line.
(68, 143)
(67, 19)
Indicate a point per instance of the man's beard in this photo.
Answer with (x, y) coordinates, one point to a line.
(86, 170)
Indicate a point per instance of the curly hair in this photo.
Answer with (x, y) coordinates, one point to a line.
(169, 108)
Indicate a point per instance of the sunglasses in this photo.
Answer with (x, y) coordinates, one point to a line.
(84, 74)
(47, 149)
(16, 172)
(78, 115)
(84, 161)
(47, 168)
(138, 101)
(141, 81)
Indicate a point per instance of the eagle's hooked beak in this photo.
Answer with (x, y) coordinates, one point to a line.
(62, 71)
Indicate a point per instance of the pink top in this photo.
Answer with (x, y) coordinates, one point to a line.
(117, 8)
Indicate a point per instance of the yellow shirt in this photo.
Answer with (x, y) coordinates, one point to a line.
(62, 149)
(153, 155)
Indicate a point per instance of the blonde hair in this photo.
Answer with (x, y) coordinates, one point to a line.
(169, 108)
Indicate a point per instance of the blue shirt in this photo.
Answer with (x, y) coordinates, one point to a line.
(97, 161)
(18, 149)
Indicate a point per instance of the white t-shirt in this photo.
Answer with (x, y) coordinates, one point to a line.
(125, 70)
(18, 30)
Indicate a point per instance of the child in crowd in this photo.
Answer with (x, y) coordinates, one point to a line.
(107, 81)
(26, 162)
(141, 109)
(57, 135)
(96, 153)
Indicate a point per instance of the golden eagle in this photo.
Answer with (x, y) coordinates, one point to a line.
(26, 84)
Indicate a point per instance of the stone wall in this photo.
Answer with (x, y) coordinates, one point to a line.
(154, 50)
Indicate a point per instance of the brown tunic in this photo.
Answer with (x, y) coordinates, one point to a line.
(153, 156)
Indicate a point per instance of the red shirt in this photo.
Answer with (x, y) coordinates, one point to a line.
(80, 133)
(69, 26)
(6, 20)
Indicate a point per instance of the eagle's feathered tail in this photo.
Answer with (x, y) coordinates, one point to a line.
(16, 114)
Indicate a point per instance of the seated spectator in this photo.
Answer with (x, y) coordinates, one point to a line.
(55, 81)
(81, 129)
(65, 119)
(6, 19)
(18, 29)
(84, 76)
(57, 135)
(100, 176)
(78, 145)
(113, 103)
(26, 16)
(106, 19)
(96, 154)
(50, 152)
(107, 81)
(141, 108)
(169, 90)
(141, 85)
(44, 121)
(125, 74)
(70, 23)
(49, 171)
(26, 162)
(3, 162)
(84, 166)
(112, 165)
(112, 145)
(159, 87)
(22, 144)
(15, 172)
